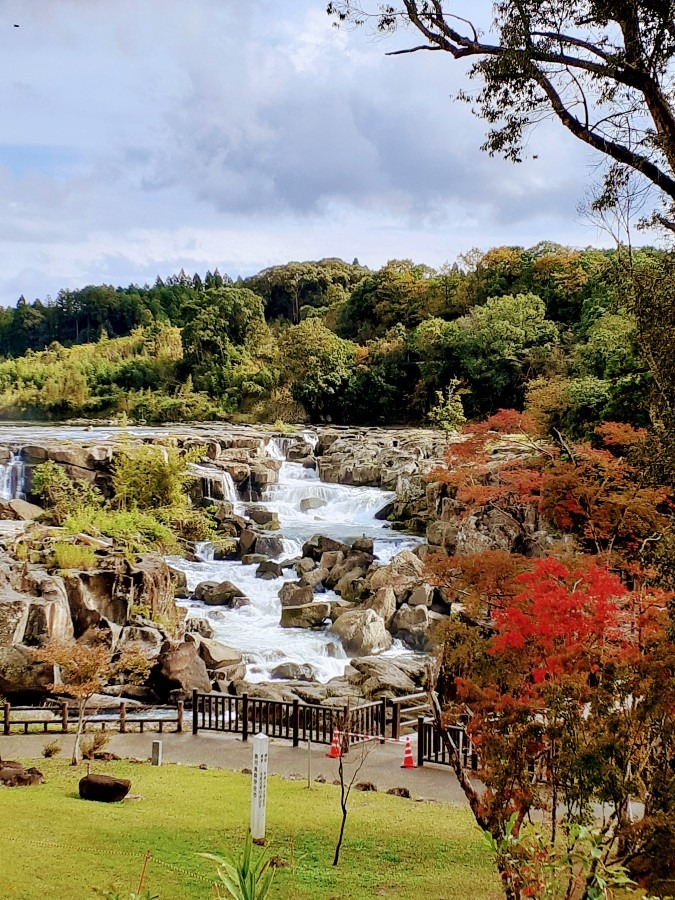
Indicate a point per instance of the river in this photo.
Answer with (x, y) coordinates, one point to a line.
(341, 512)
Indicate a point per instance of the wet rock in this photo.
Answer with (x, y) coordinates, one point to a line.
(269, 545)
(293, 593)
(312, 615)
(263, 517)
(178, 671)
(411, 625)
(383, 602)
(304, 565)
(402, 574)
(307, 504)
(362, 632)
(294, 672)
(199, 625)
(253, 559)
(179, 579)
(269, 570)
(319, 544)
(331, 558)
(315, 579)
(363, 545)
(350, 587)
(214, 593)
(247, 542)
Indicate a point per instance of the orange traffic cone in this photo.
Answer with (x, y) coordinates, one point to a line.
(408, 760)
(335, 752)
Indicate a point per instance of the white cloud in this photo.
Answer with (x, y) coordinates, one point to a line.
(141, 137)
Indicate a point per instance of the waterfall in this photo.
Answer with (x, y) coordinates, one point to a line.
(13, 478)
(210, 476)
(305, 506)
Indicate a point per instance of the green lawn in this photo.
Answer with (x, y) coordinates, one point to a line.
(54, 845)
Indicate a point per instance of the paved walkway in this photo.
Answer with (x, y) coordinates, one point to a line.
(381, 766)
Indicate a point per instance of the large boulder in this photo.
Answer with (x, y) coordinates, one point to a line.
(144, 638)
(311, 615)
(377, 678)
(20, 510)
(103, 788)
(214, 593)
(199, 625)
(319, 544)
(362, 632)
(292, 593)
(20, 674)
(402, 574)
(383, 602)
(294, 672)
(269, 544)
(178, 671)
(411, 625)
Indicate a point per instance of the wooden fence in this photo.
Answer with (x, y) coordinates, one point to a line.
(291, 721)
(431, 749)
(63, 721)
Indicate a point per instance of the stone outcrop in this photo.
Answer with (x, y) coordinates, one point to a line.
(361, 632)
(178, 671)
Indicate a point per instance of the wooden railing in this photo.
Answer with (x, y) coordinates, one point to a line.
(290, 721)
(430, 746)
(62, 721)
(406, 710)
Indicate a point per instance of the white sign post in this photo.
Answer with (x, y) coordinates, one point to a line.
(259, 787)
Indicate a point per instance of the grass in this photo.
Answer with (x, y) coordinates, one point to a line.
(52, 844)
(73, 556)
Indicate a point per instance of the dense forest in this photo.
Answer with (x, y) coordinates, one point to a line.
(547, 328)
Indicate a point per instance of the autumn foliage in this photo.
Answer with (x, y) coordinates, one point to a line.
(561, 664)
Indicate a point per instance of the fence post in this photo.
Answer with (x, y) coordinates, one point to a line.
(420, 741)
(296, 723)
(346, 739)
(395, 720)
(5, 728)
(195, 712)
(244, 717)
(123, 718)
(383, 720)
(64, 717)
(179, 717)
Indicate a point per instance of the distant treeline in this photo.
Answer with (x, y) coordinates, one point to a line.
(547, 327)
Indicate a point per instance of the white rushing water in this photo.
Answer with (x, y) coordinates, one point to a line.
(12, 478)
(338, 511)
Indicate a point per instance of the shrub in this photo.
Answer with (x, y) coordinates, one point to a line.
(149, 477)
(94, 744)
(52, 748)
(61, 494)
(73, 556)
(136, 531)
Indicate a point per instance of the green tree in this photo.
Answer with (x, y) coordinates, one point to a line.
(603, 69)
(319, 365)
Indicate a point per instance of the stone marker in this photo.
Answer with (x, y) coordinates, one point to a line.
(259, 787)
(157, 753)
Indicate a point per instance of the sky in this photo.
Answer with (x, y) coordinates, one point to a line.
(139, 138)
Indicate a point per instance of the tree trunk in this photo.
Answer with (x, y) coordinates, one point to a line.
(77, 755)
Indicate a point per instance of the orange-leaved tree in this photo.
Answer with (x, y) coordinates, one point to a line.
(83, 669)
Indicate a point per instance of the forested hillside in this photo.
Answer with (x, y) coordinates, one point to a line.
(546, 328)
